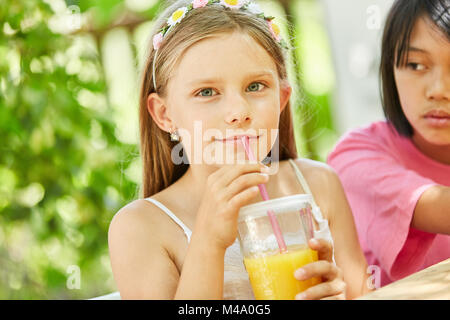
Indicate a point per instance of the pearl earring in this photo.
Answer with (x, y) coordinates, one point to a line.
(174, 136)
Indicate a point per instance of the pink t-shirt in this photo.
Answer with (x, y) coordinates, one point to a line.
(384, 175)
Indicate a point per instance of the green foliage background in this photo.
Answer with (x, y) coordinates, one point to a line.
(62, 166)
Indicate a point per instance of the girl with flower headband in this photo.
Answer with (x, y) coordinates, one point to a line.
(221, 63)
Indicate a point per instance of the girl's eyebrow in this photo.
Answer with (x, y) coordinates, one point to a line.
(249, 76)
(414, 49)
(269, 74)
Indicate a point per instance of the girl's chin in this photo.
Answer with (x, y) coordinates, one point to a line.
(433, 137)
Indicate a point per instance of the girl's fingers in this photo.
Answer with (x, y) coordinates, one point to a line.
(323, 247)
(321, 268)
(341, 296)
(323, 290)
(228, 174)
(246, 181)
(243, 198)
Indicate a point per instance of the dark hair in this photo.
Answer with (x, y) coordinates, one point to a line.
(394, 50)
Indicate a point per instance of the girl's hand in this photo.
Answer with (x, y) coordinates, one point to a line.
(333, 285)
(227, 190)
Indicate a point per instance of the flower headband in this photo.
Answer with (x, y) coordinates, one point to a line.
(180, 13)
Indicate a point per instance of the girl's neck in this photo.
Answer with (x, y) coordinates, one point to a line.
(439, 153)
(197, 175)
(194, 182)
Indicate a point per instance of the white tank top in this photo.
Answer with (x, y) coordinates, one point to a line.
(236, 282)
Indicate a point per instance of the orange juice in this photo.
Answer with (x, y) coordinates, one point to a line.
(272, 275)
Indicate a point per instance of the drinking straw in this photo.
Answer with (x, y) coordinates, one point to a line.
(306, 218)
(263, 191)
(310, 223)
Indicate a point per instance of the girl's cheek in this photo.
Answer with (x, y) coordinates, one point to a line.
(407, 90)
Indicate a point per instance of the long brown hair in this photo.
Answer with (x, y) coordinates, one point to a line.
(159, 171)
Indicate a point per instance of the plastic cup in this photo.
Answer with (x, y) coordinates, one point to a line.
(270, 272)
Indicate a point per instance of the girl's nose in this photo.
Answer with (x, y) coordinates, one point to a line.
(238, 111)
(238, 119)
(439, 88)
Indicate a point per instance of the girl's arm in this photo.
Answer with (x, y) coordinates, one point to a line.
(348, 254)
(432, 212)
(203, 271)
(352, 266)
(143, 267)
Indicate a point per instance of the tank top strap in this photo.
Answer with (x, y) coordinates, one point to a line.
(302, 180)
(324, 229)
(315, 208)
(186, 230)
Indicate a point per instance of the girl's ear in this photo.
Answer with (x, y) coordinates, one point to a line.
(157, 108)
(285, 94)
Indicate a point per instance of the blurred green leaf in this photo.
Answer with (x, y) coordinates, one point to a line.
(61, 165)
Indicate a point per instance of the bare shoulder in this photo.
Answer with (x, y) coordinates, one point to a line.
(323, 182)
(141, 264)
(137, 222)
(142, 219)
(316, 172)
(134, 216)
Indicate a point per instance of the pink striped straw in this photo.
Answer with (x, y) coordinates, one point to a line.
(263, 191)
(306, 219)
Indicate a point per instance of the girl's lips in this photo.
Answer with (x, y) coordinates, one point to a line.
(236, 139)
(439, 114)
(438, 119)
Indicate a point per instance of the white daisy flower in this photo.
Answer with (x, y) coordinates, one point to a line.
(254, 8)
(177, 16)
(233, 4)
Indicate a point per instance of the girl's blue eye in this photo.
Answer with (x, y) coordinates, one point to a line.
(207, 92)
(255, 86)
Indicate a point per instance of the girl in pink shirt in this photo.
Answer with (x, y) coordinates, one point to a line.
(396, 174)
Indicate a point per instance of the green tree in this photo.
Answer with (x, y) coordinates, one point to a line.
(61, 165)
